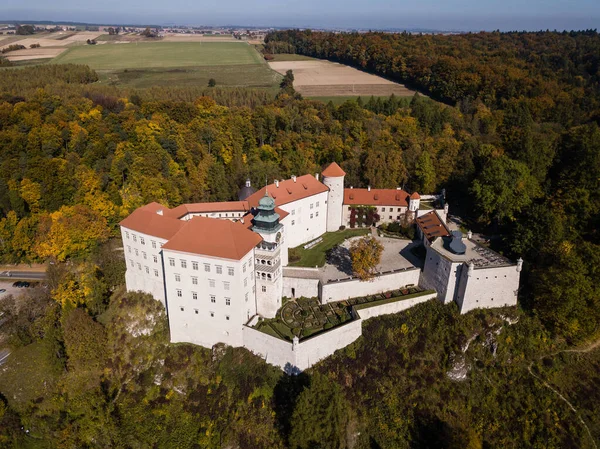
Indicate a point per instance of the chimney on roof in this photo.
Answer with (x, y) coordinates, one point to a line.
(519, 264)
(369, 188)
(248, 183)
(277, 183)
(317, 176)
(351, 187)
(398, 188)
(294, 178)
(470, 235)
(159, 211)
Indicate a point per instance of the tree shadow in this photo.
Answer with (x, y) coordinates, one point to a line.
(339, 257)
(285, 396)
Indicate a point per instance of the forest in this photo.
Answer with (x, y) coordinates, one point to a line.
(506, 123)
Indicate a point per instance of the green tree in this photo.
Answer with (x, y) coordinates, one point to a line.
(425, 174)
(212, 82)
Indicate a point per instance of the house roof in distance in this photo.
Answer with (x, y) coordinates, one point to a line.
(290, 190)
(214, 237)
(376, 197)
(333, 171)
(153, 219)
(432, 226)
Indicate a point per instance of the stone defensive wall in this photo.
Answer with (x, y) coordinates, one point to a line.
(340, 289)
(294, 357)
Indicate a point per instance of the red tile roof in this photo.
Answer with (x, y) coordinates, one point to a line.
(415, 196)
(333, 171)
(290, 190)
(214, 237)
(376, 197)
(197, 208)
(432, 225)
(147, 221)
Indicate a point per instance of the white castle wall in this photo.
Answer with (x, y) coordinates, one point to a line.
(195, 324)
(274, 350)
(488, 288)
(338, 291)
(308, 288)
(441, 275)
(143, 273)
(301, 228)
(393, 307)
(334, 202)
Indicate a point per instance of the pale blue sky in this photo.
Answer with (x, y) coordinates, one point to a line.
(432, 14)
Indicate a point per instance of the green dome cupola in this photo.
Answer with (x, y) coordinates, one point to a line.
(266, 219)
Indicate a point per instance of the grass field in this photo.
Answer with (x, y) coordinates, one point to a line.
(316, 256)
(181, 64)
(160, 55)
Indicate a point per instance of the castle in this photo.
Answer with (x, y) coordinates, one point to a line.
(218, 267)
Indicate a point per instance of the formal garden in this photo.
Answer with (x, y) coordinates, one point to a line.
(305, 317)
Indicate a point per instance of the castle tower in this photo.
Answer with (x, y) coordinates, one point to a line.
(333, 177)
(268, 264)
(414, 202)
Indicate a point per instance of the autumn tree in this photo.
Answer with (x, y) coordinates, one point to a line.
(365, 254)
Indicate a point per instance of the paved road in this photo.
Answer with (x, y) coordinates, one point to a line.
(32, 275)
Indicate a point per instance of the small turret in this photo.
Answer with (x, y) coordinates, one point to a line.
(333, 178)
(414, 202)
(519, 265)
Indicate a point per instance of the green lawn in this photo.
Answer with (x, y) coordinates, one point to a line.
(316, 255)
(160, 55)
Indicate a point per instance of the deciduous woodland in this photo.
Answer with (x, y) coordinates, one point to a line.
(513, 138)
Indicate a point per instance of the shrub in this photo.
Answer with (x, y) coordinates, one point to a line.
(269, 57)
(13, 47)
(342, 227)
(327, 326)
(293, 254)
(35, 46)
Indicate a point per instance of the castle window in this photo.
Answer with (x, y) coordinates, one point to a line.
(171, 261)
(177, 278)
(207, 268)
(144, 254)
(147, 270)
(311, 205)
(142, 241)
(293, 222)
(212, 314)
(194, 295)
(317, 204)
(194, 280)
(128, 248)
(134, 237)
(399, 210)
(196, 311)
(139, 266)
(227, 301)
(246, 296)
(131, 262)
(156, 273)
(293, 213)
(311, 215)
(269, 275)
(137, 253)
(155, 258)
(182, 309)
(245, 282)
(226, 285)
(195, 266)
(317, 213)
(383, 209)
(183, 264)
(227, 317)
(211, 283)
(219, 269)
(213, 298)
(349, 207)
(264, 288)
(251, 275)
(126, 234)
(390, 217)
(179, 294)
(244, 268)
(230, 271)
(153, 244)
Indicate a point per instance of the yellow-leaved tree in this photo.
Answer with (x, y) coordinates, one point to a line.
(366, 255)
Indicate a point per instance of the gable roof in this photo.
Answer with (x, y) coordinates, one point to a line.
(214, 237)
(290, 190)
(415, 196)
(333, 171)
(196, 208)
(376, 197)
(147, 220)
(432, 226)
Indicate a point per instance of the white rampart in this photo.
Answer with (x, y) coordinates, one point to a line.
(298, 287)
(345, 289)
(298, 356)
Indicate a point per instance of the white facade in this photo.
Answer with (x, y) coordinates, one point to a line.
(209, 298)
(143, 256)
(335, 202)
(387, 214)
(307, 219)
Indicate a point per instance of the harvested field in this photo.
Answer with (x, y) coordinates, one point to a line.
(318, 78)
(34, 53)
(198, 38)
(54, 40)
